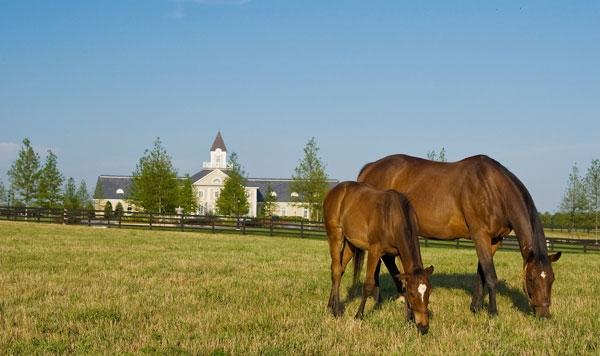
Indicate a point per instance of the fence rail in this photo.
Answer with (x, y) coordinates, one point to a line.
(241, 225)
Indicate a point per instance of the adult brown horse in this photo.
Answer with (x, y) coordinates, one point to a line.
(479, 199)
(359, 218)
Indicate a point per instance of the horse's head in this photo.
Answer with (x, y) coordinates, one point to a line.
(538, 279)
(416, 296)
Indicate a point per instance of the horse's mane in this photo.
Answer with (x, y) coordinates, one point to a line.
(534, 219)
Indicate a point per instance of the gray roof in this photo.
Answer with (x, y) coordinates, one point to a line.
(218, 143)
(281, 187)
(110, 185)
(203, 173)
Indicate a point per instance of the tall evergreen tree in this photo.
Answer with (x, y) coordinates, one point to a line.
(24, 174)
(83, 195)
(155, 186)
(70, 198)
(309, 181)
(270, 203)
(232, 199)
(187, 195)
(50, 183)
(592, 188)
(574, 201)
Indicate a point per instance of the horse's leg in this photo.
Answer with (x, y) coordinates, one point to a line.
(390, 264)
(477, 299)
(336, 243)
(369, 285)
(483, 247)
(376, 292)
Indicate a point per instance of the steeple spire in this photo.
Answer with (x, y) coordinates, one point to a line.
(218, 143)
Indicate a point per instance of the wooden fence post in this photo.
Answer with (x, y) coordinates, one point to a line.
(271, 226)
(89, 213)
(584, 247)
(244, 225)
(120, 216)
(39, 214)
(150, 221)
(302, 228)
(212, 224)
(181, 221)
(457, 243)
(64, 216)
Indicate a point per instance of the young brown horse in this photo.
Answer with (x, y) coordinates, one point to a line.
(359, 218)
(475, 198)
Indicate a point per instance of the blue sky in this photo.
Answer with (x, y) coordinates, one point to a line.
(98, 81)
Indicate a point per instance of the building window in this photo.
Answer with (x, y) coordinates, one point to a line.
(282, 211)
(217, 180)
(305, 213)
(201, 194)
(217, 194)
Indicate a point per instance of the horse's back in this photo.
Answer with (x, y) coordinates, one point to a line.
(445, 195)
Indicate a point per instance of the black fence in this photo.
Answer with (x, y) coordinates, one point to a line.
(292, 227)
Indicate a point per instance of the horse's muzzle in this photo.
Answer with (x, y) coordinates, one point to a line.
(423, 329)
(542, 311)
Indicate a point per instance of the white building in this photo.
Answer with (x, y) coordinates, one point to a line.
(208, 183)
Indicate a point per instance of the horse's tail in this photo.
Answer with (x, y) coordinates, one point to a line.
(359, 256)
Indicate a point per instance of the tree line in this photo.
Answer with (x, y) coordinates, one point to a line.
(36, 184)
(580, 205)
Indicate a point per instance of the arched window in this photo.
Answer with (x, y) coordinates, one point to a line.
(120, 191)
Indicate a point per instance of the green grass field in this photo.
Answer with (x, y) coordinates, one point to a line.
(86, 290)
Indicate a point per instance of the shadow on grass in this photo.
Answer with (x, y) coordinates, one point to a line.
(464, 281)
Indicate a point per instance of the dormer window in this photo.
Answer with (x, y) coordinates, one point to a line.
(120, 191)
(273, 194)
(294, 195)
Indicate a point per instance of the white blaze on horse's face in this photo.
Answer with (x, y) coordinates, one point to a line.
(422, 288)
(543, 274)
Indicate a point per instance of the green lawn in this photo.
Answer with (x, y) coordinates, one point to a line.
(87, 290)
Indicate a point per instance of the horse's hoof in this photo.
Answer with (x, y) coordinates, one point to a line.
(475, 308)
(358, 316)
(493, 312)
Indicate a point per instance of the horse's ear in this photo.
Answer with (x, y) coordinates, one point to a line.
(555, 256)
(529, 257)
(429, 270)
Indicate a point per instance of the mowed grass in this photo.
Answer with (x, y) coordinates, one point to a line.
(84, 290)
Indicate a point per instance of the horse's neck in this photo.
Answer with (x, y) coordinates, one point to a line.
(410, 256)
(530, 235)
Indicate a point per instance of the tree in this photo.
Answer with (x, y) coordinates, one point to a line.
(70, 199)
(24, 173)
(574, 200)
(309, 181)
(83, 196)
(592, 189)
(50, 183)
(155, 186)
(232, 199)
(3, 194)
(187, 195)
(108, 210)
(119, 210)
(440, 157)
(270, 203)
